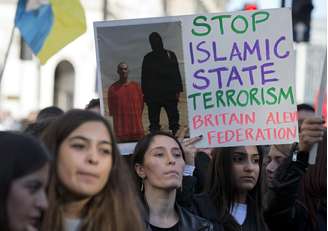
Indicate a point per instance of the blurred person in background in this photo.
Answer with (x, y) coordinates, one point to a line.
(43, 119)
(296, 197)
(24, 170)
(49, 112)
(7, 122)
(93, 105)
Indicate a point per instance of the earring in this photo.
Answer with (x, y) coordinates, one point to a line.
(142, 185)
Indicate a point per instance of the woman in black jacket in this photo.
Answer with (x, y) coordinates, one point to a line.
(232, 199)
(159, 161)
(296, 198)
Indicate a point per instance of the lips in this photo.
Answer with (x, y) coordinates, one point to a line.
(34, 223)
(248, 178)
(88, 175)
(176, 173)
(269, 179)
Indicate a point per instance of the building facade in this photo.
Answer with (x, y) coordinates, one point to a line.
(68, 79)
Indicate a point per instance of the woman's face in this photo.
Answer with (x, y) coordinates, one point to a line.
(163, 164)
(27, 200)
(245, 165)
(85, 159)
(274, 160)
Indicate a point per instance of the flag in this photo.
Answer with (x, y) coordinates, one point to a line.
(49, 25)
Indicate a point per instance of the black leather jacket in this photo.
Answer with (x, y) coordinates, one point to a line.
(189, 221)
(203, 206)
(284, 209)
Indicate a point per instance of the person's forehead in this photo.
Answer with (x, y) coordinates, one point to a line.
(163, 141)
(246, 149)
(274, 151)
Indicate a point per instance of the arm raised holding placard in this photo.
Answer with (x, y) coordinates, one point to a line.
(283, 197)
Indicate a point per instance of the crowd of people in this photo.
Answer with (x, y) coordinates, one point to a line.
(65, 172)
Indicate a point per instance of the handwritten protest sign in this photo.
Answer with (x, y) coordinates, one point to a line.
(238, 70)
(240, 77)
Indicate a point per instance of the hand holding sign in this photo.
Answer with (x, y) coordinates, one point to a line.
(188, 145)
(312, 131)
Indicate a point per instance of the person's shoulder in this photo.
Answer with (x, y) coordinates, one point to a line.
(149, 55)
(132, 82)
(113, 85)
(171, 52)
(193, 221)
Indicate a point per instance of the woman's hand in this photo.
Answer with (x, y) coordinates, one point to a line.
(312, 131)
(188, 145)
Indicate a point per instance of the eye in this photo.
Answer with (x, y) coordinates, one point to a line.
(268, 159)
(78, 146)
(33, 187)
(158, 154)
(279, 160)
(237, 158)
(105, 151)
(256, 160)
(177, 154)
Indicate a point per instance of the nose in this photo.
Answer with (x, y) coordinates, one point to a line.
(171, 159)
(92, 157)
(42, 201)
(270, 168)
(249, 166)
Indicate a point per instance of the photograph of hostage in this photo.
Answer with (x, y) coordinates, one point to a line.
(125, 105)
(161, 84)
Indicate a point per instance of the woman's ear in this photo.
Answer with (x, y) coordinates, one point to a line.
(140, 170)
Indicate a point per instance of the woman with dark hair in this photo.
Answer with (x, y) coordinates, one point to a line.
(314, 190)
(24, 170)
(159, 161)
(90, 187)
(232, 198)
(296, 198)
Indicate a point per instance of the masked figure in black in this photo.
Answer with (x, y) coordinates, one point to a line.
(161, 84)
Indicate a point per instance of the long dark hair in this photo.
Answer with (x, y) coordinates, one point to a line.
(20, 155)
(222, 190)
(314, 185)
(115, 207)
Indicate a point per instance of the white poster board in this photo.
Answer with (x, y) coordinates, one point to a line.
(240, 77)
(238, 69)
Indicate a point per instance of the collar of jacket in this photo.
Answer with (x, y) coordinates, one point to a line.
(188, 221)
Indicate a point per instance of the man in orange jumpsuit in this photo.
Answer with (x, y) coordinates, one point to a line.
(125, 104)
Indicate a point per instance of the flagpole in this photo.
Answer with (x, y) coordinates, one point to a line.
(8, 49)
(322, 91)
(7, 53)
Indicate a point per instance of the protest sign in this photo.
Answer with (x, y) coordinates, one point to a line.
(238, 70)
(240, 77)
